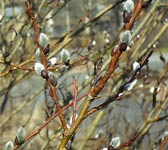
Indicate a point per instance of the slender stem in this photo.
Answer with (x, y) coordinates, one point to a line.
(44, 60)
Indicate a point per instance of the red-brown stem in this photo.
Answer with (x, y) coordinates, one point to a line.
(163, 143)
(135, 14)
(58, 107)
(113, 63)
(33, 20)
(52, 88)
(128, 143)
(121, 89)
(75, 100)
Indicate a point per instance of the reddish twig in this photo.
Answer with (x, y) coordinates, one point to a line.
(30, 13)
(163, 143)
(128, 143)
(113, 63)
(135, 14)
(52, 88)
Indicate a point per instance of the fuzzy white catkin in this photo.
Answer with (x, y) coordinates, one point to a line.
(131, 85)
(21, 134)
(52, 78)
(99, 134)
(115, 142)
(152, 89)
(128, 6)
(136, 65)
(107, 41)
(38, 67)
(53, 61)
(125, 37)
(9, 145)
(165, 135)
(65, 56)
(93, 42)
(43, 40)
(38, 55)
(63, 68)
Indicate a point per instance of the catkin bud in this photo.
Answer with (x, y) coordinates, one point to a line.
(131, 85)
(123, 46)
(65, 56)
(115, 142)
(46, 49)
(125, 37)
(93, 43)
(52, 78)
(53, 61)
(126, 16)
(165, 135)
(146, 4)
(20, 137)
(9, 145)
(43, 41)
(38, 55)
(128, 6)
(136, 65)
(38, 67)
(44, 74)
(63, 68)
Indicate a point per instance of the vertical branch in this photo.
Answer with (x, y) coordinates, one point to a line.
(44, 60)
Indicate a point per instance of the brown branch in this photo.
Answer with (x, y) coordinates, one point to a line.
(96, 90)
(163, 143)
(30, 13)
(128, 143)
(52, 88)
(58, 107)
(137, 10)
